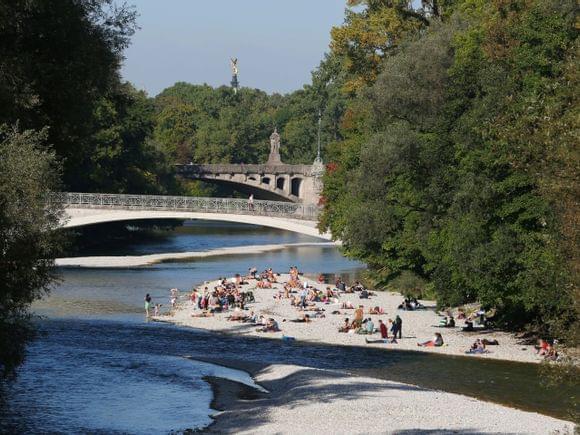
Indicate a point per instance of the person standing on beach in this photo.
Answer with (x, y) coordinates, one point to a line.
(383, 330)
(147, 304)
(303, 294)
(398, 327)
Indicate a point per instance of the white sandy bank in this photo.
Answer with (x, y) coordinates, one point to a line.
(418, 325)
(319, 401)
(143, 260)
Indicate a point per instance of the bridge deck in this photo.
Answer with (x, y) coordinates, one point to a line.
(236, 206)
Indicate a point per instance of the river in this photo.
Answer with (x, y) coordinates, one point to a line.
(99, 367)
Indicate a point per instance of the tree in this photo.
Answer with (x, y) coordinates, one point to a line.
(125, 158)
(462, 170)
(57, 60)
(29, 173)
(369, 35)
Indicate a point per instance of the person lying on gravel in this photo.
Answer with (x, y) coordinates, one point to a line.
(237, 316)
(313, 307)
(437, 341)
(203, 314)
(264, 283)
(304, 319)
(384, 335)
(271, 326)
(252, 318)
(487, 342)
(347, 305)
(376, 310)
(380, 340)
(410, 304)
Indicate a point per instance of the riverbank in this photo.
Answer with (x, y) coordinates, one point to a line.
(305, 400)
(124, 261)
(418, 325)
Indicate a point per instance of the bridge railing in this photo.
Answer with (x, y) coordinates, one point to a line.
(186, 204)
(225, 168)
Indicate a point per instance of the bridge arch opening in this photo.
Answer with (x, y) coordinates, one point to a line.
(280, 183)
(296, 187)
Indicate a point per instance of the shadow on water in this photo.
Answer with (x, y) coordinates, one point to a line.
(509, 383)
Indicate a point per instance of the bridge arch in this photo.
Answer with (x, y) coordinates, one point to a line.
(296, 187)
(294, 183)
(78, 218)
(87, 208)
(280, 183)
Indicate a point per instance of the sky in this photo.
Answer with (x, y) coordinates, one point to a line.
(277, 42)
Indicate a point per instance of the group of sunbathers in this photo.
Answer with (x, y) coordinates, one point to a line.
(223, 297)
(410, 304)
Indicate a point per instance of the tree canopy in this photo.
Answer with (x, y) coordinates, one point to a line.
(463, 165)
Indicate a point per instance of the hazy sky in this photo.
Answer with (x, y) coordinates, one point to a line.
(277, 42)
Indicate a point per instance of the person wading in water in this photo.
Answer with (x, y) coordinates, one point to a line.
(147, 304)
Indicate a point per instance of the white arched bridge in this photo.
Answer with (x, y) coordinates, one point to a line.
(92, 208)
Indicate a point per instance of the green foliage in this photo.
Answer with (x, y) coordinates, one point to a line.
(28, 173)
(410, 285)
(464, 170)
(57, 60)
(125, 159)
(213, 125)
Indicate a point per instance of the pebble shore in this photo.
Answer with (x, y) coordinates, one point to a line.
(418, 326)
(304, 400)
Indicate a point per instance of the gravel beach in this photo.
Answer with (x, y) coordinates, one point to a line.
(418, 326)
(304, 400)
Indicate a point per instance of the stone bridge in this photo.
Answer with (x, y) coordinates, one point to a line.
(274, 180)
(92, 208)
(294, 183)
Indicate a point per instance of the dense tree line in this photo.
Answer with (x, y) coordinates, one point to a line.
(59, 68)
(459, 168)
(203, 124)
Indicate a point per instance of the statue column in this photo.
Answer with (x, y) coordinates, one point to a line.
(274, 157)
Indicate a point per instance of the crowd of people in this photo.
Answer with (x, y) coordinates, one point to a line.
(312, 301)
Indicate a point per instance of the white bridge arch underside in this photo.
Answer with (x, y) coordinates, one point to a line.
(78, 217)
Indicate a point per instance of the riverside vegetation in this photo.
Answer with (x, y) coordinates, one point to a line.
(450, 137)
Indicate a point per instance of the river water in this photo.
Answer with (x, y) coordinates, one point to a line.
(99, 367)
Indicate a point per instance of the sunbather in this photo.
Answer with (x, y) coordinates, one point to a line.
(437, 341)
